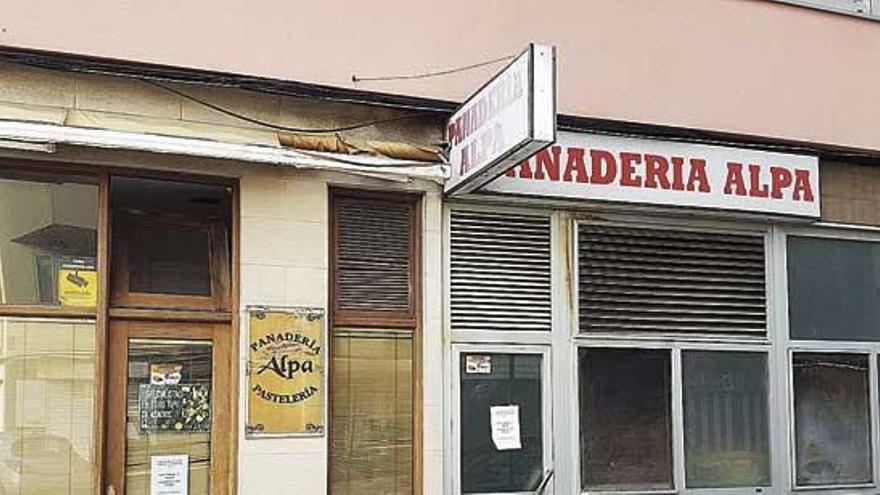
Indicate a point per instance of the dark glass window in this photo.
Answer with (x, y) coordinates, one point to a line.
(832, 419)
(833, 289)
(725, 419)
(489, 380)
(170, 260)
(625, 419)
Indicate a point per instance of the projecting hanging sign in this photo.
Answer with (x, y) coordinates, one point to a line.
(643, 171)
(506, 121)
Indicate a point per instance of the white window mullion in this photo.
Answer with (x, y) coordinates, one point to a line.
(677, 422)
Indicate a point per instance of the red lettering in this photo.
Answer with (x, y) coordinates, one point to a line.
(756, 189)
(465, 164)
(627, 169)
(548, 161)
(677, 165)
(656, 168)
(734, 180)
(575, 163)
(780, 178)
(698, 179)
(603, 174)
(802, 187)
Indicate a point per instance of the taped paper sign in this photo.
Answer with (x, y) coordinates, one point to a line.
(505, 427)
(169, 474)
(478, 363)
(165, 373)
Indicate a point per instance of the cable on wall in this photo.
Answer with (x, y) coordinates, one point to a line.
(355, 78)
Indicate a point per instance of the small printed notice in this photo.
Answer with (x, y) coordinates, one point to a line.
(505, 427)
(165, 374)
(478, 363)
(169, 475)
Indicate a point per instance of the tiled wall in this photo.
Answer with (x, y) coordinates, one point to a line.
(284, 261)
(850, 193)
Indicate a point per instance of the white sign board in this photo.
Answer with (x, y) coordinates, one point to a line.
(506, 121)
(505, 427)
(169, 474)
(643, 171)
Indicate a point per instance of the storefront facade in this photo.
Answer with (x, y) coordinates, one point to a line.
(614, 339)
(177, 320)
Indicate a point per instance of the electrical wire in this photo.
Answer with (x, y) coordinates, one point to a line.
(278, 127)
(355, 78)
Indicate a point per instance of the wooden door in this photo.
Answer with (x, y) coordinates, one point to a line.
(168, 408)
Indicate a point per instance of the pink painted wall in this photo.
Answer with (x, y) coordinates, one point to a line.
(745, 66)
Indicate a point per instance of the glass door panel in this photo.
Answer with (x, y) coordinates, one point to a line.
(168, 415)
(502, 422)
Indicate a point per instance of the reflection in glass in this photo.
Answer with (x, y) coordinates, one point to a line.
(500, 380)
(625, 419)
(170, 260)
(725, 419)
(47, 239)
(46, 406)
(832, 432)
(372, 449)
(168, 410)
(832, 289)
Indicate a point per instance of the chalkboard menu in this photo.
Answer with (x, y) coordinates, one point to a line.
(180, 407)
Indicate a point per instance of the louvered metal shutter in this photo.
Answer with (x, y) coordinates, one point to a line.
(373, 254)
(499, 271)
(640, 279)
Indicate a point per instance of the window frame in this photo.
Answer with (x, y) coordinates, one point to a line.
(377, 318)
(788, 347)
(219, 267)
(455, 405)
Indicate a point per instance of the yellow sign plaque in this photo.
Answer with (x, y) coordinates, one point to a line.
(285, 372)
(77, 283)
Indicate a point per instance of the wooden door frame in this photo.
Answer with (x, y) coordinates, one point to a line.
(121, 332)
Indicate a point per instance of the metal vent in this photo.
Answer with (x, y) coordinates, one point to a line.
(373, 254)
(500, 271)
(652, 280)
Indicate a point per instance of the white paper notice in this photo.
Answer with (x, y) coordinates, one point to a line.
(505, 427)
(169, 475)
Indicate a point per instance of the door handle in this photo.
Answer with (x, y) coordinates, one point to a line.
(545, 481)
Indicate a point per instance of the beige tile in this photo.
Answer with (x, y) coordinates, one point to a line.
(21, 84)
(308, 199)
(432, 432)
(433, 219)
(280, 242)
(307, 286)
(120, 95)
(299, 473)
(260, 106)
(263, 284)
(265, 195)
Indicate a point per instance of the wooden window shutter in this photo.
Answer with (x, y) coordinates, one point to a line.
(374, 254)
(675, 281)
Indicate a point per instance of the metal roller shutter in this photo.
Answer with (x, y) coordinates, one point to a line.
(654, 280)
(500, 271)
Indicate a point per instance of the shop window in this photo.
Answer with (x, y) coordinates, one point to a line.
(47, 408)
(48, 239)
(499, 271)
(372, 414)
(670, 281)
(832, 419)
(170, 244)
(625, 419)
(374, 301)
(490, 381)
(373, 249)
(833, 289)
(725, 419)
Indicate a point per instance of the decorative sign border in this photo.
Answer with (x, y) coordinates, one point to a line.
(307, 357)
